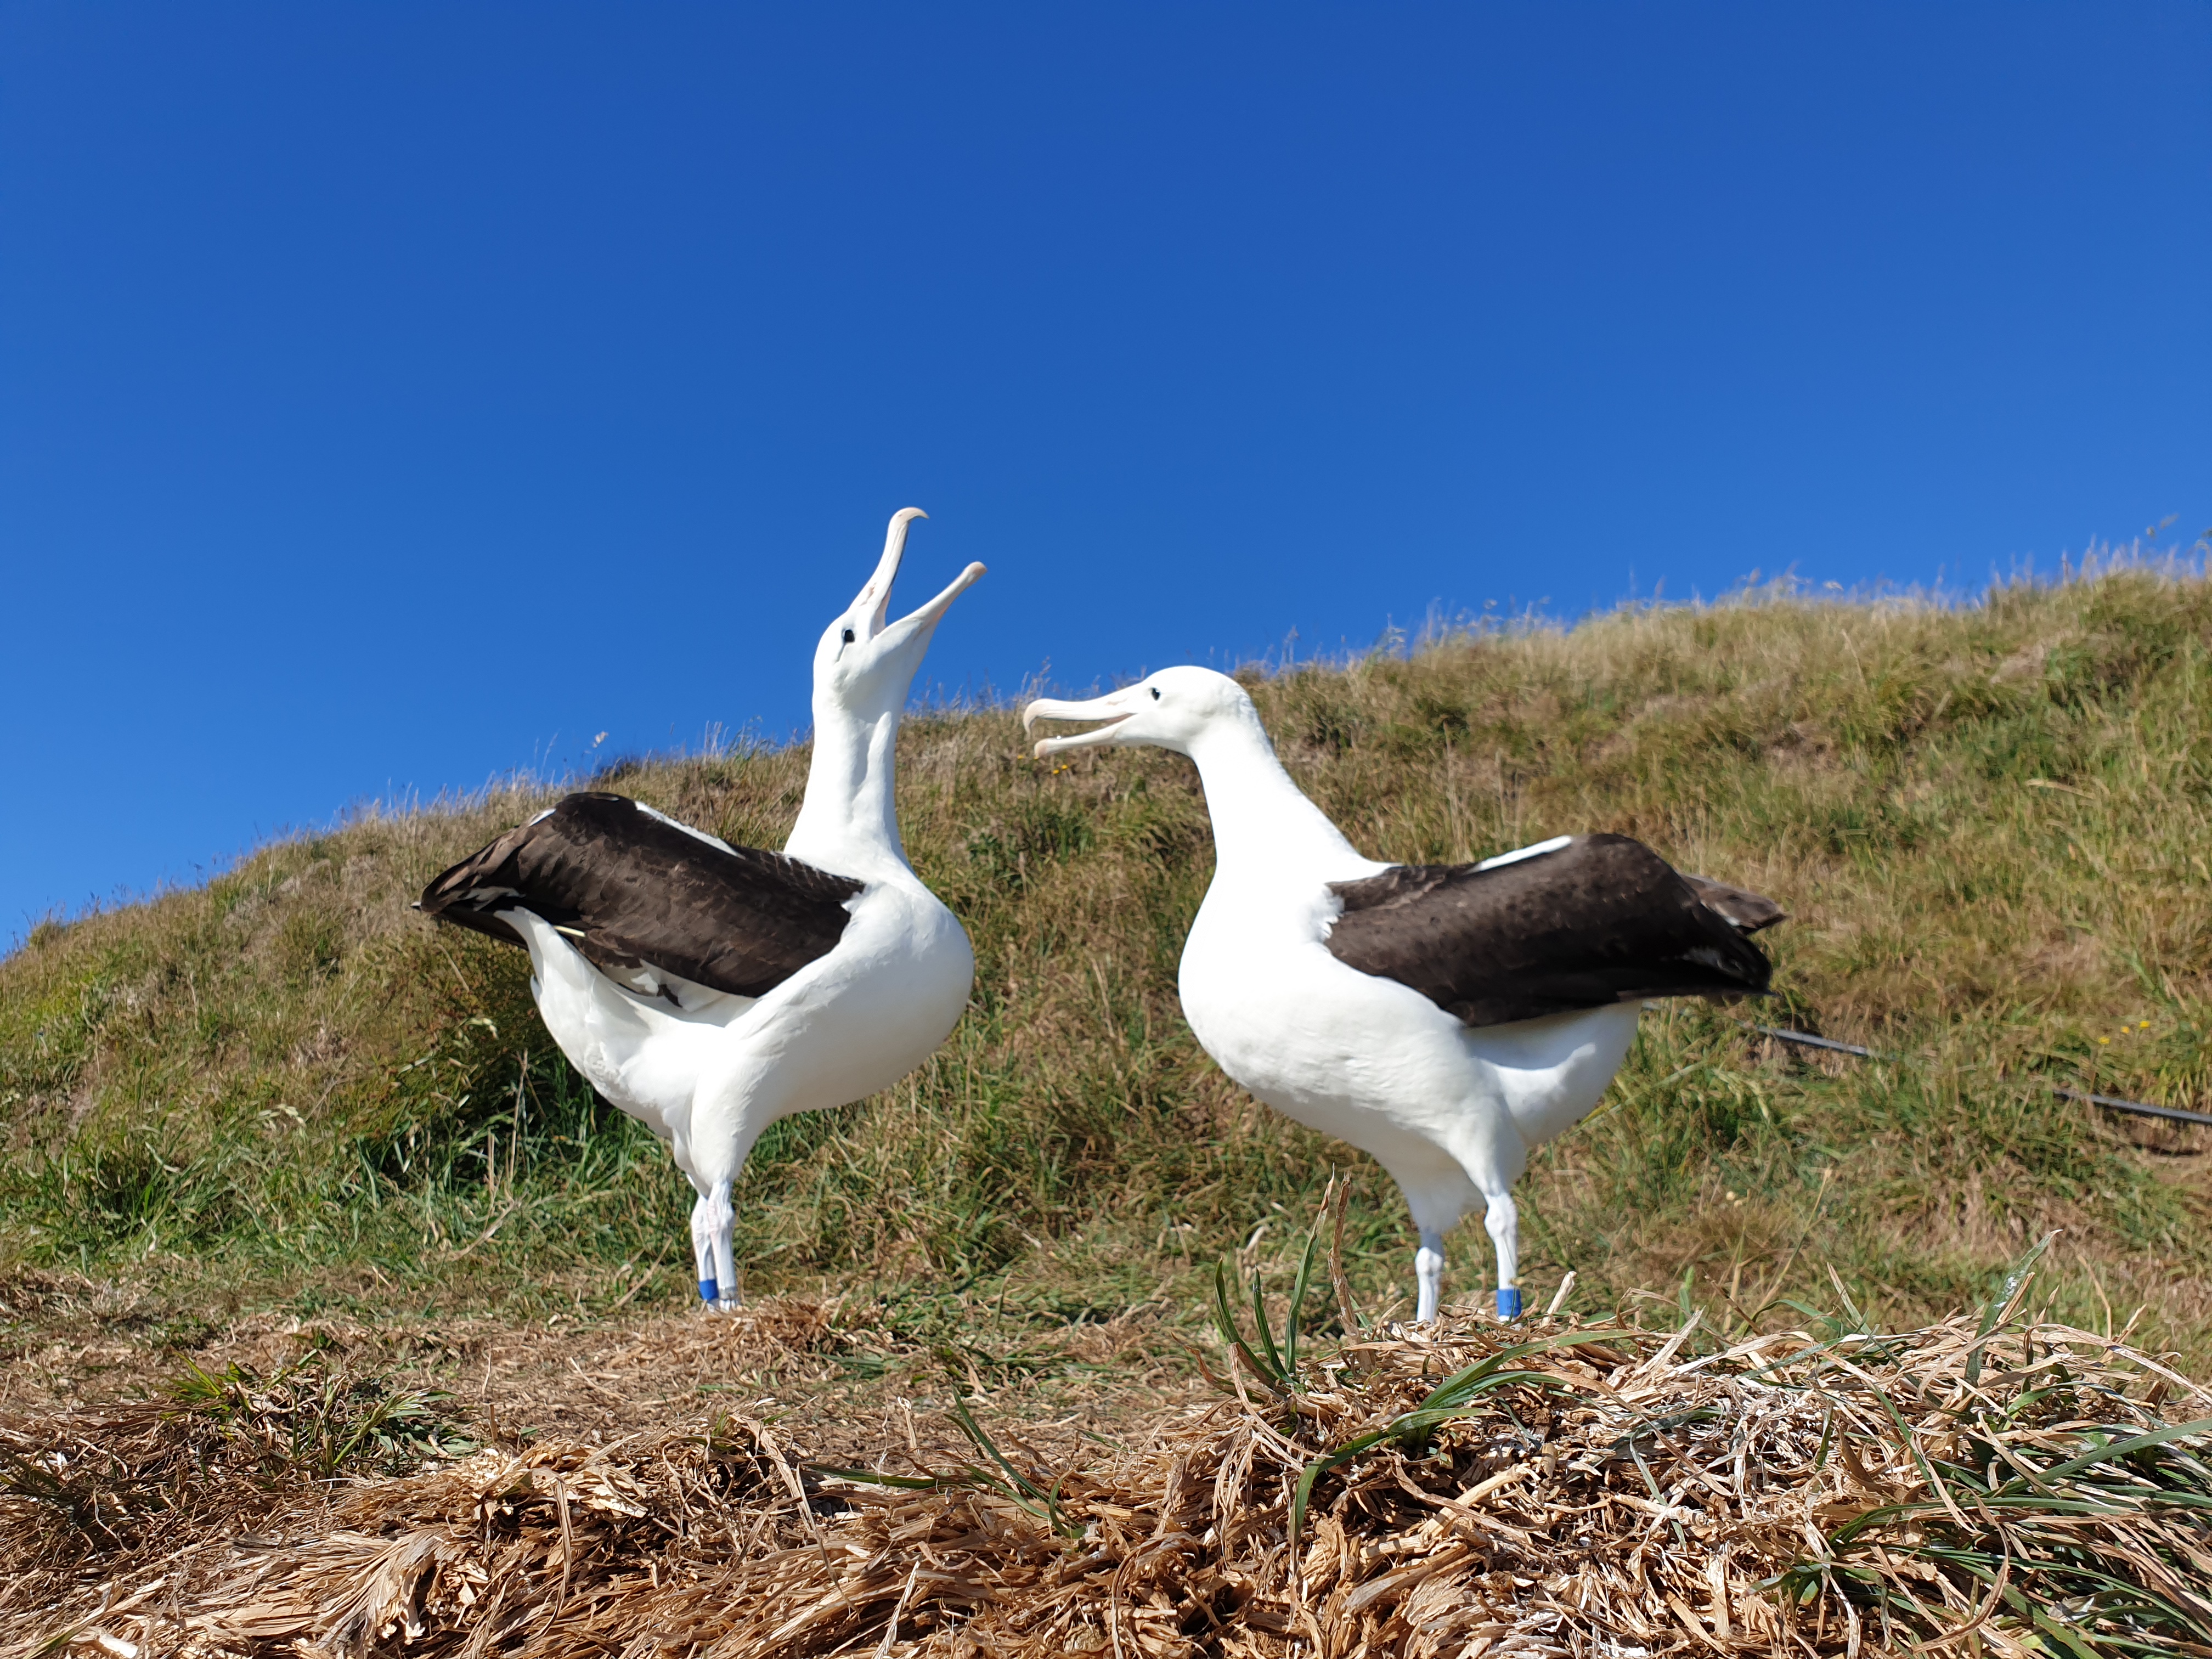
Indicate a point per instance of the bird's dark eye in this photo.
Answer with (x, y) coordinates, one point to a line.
(849, 640)
(1155, 694)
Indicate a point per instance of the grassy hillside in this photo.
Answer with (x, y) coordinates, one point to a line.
(283, 1090)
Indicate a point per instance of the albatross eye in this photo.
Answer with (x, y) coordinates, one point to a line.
(849, 636)
(1155, 694)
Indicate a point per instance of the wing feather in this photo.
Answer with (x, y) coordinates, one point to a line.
(636, 889)
(1590, 920)
(1746, 912)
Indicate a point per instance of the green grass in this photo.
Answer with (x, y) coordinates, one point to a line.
(282, 1088)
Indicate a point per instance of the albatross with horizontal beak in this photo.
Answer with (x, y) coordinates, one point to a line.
(708, 990)
(1445, 1019)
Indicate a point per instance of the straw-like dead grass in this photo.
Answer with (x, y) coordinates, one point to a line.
(1550, 1487)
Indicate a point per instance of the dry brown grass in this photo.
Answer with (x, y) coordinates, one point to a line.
(1554, 1488)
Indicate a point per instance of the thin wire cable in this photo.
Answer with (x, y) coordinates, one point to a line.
(2111, 1103)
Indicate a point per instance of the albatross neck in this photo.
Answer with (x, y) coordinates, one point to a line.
(1262, 822)
(848, 822)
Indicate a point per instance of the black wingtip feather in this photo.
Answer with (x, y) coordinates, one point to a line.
(1745, 911)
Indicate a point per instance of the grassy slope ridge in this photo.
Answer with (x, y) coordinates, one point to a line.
(1987, 823)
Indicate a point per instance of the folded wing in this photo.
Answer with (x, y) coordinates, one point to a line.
(1590, 921)
(640, 893)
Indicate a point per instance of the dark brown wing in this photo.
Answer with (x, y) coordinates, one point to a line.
(1603, 919)
(635, 889)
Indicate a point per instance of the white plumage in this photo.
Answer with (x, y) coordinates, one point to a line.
(1451, 1110)
(608, 897)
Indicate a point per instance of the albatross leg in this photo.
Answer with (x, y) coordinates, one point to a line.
(722, 1221)
(1503, 1222)
(1429, 1274)
(703, 1252)
(1437, 1194)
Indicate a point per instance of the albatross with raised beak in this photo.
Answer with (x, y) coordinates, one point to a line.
(1445, 1019)
(708, 990)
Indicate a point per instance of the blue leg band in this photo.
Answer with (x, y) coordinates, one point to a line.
(1509, 1302)
(709, 1291)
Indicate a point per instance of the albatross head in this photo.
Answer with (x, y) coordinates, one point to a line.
(1173, 709)
(866, 663)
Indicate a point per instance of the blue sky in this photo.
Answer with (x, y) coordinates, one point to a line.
(393, 396)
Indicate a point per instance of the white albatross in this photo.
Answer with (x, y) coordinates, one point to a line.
(708, 990)
(1445, 1019)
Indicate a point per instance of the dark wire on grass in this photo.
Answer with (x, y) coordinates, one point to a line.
(2111, 1103)
(1807, 1040)
(2140, 1108)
